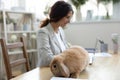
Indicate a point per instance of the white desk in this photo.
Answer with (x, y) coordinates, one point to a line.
(35, 74)
(103, 68)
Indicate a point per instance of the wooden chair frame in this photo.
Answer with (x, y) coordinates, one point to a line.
(8, 64)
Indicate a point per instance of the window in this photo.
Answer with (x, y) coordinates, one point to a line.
(89, 11)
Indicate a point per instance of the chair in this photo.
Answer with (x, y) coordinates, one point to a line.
(11, 64)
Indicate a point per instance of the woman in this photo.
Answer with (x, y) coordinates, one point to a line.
(51, 40)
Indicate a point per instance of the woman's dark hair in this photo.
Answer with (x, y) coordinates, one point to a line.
(59, 10)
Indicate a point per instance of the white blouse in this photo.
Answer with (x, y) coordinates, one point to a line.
(60, 41)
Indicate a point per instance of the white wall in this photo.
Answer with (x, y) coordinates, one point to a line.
(85, 33)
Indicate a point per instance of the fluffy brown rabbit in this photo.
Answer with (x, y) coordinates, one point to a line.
(70, 63)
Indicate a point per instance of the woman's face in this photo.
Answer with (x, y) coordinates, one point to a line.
(65, 19)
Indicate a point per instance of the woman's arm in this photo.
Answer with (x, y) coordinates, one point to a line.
(44, 50)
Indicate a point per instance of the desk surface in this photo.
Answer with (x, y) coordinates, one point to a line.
(103, 68)
(36, 74)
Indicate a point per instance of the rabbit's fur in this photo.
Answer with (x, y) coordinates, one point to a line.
(70, 62)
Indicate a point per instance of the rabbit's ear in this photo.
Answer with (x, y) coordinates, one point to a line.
(63, 70)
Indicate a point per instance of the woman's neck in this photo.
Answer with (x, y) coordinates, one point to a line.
(55, 26)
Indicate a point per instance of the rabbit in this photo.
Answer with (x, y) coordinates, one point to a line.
(70, 62)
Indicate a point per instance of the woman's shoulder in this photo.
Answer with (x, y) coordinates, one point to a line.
(44, 30)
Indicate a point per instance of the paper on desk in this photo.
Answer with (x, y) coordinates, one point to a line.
(100, 54)
(92, 55)
(61, 78)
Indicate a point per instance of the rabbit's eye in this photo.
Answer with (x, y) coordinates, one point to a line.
(54, 66)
